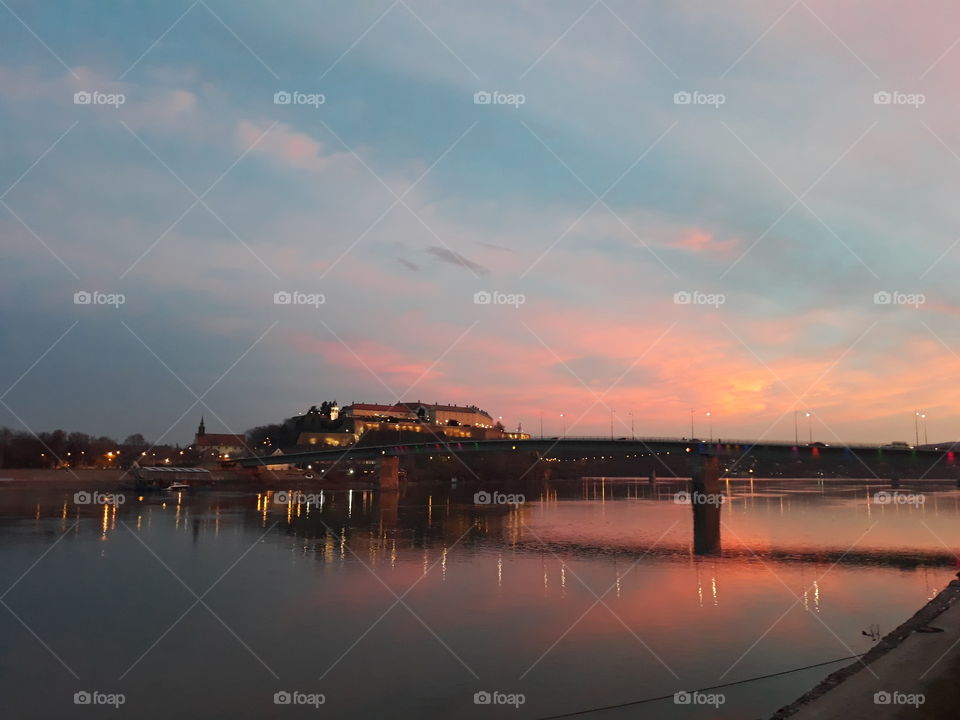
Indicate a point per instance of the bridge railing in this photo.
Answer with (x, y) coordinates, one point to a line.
(721, 441)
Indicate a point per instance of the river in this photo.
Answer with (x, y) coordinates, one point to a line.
(349, 604)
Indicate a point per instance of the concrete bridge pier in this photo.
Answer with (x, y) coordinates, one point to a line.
(390, 474)
(704, 498)
(389, 504)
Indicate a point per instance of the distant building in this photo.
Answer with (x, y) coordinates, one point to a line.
(222, 445)
(369, 410)
(411, 422)
(449, 414)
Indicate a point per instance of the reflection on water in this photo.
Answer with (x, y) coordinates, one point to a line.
(405, 605)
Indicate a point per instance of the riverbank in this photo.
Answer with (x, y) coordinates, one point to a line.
(223, 478)
(911, 672)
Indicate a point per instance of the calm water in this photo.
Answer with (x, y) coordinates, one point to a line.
(493, 598)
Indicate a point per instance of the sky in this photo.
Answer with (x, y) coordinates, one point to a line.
(664, 210)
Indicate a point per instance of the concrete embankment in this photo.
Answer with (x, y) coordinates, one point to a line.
(86, 478)
(910, 673)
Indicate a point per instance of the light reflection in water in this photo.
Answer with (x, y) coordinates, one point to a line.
(798, 531)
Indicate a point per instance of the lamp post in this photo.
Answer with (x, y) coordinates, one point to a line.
(633, 435)
(809, 426)
(916, 427)
(564, 421)
(923, 417)
(541, 424)
(611, 423)
(710, 420)
(796, 432)
(692, 434)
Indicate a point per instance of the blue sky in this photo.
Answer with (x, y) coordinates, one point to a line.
(796, 199)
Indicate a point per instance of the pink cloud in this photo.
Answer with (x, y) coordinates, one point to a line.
(285, 146)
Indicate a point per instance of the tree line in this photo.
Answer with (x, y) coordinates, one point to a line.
(61, 449)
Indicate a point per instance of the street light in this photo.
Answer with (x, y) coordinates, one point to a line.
(563, 420)
(710, 420)
(633, 435)
(809, 426)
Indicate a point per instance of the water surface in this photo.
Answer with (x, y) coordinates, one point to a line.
(588, 594)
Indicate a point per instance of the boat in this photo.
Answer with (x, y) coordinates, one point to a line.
(177, 487)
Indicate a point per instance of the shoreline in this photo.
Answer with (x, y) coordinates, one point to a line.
(899, 662)
(225, 479)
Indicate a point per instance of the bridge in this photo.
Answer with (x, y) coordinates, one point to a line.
(893, 460)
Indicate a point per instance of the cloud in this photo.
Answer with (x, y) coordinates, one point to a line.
(454, 258)
(409, 265)
(286, 146)
(493, 246)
